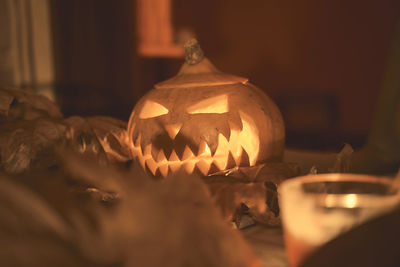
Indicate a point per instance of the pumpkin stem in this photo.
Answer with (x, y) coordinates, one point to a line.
(193, 52)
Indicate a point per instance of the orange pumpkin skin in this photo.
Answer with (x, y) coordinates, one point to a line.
(203, 120)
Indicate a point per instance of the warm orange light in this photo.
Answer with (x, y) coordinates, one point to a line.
(246, 140)
(248, 137)
(155, 30)
(173, 129)
(217, 104)
(152, 109)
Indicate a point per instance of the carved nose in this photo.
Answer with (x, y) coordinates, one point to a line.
(173, 129)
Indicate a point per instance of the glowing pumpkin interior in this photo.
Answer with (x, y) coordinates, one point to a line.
(244, 142)
(152, 109)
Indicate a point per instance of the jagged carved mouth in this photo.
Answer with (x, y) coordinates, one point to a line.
(242, 147)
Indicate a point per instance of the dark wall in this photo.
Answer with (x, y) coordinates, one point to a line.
(94, 56)
(321, 61)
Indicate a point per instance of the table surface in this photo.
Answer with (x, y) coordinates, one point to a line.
(268, 244)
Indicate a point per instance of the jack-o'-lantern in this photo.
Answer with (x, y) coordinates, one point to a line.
(204, 120)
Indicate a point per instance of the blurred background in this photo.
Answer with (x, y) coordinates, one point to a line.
(321, 61)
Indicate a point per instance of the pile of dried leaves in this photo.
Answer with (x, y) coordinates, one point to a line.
(250, 191)
(32, 128)
(69, 198)
(122, 218)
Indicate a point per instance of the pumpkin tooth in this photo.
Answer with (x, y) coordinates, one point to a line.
(204, 150)
(142, 161)
(223, 146)
(238, 155)
(234, 146)
(244, 159)
(173, 156)
(152, 165)
(214, 168)
(189, 166)
(173, 129)
(175, 167)
(174, 161)
(187, 154)
(168, 148)
(147, 151)
(203, 166)
(154, 153)
(163, 169)
(233, 138)
(161, 157)
(225, 130)
(213, 148)
(220, 156)
(194, 147)
(221, 162)
(249, 137)
(235, 122)
(136, 151)
(231, 162)
(212, 143)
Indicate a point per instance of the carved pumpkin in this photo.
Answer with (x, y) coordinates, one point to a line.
(204, 120)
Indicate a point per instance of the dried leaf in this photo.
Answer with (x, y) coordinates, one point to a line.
(82, 138)
(166, 223)
(27, 105)
(29, 143)
(172, 222)
(313, 170)
(5, 102)
(34, 230)
(251, 186)
(343, 159)
(113, 137)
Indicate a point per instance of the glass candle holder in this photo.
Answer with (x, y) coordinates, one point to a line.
(317, 208)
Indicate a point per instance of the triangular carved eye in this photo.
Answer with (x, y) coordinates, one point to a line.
(217, 104)
(152, 109)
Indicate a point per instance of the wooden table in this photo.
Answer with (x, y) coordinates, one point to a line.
(268, 244)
